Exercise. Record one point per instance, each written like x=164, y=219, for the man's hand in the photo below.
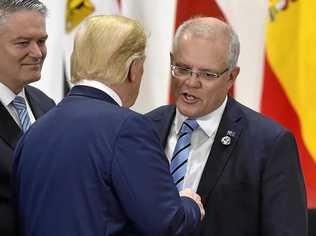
x=195, y=197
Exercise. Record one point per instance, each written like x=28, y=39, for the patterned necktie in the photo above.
x=181, y=152
x=20, y=106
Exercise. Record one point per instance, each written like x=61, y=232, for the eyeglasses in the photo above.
x=182, y=73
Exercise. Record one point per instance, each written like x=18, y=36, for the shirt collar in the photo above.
x=103, y=87
x=7, y=96
x=207, y=123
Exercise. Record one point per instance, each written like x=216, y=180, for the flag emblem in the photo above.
x=76, y=12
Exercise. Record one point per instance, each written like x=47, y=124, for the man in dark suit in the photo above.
x=99, y=168
x=22, y=51
x=244, y=166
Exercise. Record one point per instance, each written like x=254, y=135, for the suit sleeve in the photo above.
x=283, y=190
x=15, y=181
x=144, y=186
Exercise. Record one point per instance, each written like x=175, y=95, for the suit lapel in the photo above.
x=230, y=125
x=34, y=104
x=9, y=130
x=164, y=123
x=220, y=153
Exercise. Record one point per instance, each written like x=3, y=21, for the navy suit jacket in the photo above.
x=91, y=167
x=9, y=135
x=254, y=185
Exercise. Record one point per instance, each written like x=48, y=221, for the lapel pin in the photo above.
x=226, y=140
x=231, y=133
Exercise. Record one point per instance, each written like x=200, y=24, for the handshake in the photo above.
x=195, y=197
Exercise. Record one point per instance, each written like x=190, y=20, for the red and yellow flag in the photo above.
x=289, y=81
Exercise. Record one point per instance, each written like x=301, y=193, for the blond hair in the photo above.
x=105, y=47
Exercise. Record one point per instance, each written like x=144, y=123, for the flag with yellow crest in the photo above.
x=289, y=87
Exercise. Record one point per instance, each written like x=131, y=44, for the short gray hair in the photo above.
x=234, y=49
x=199, y=27
x=10, y=6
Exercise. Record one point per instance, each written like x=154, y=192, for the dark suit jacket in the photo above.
x=254, y=185
x=98, y=169
x=9, y=135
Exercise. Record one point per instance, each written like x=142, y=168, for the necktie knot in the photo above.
x=20, y=105
x=188, y=126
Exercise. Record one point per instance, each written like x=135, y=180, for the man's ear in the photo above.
x=134, y=70
x=232, y=77
x=234, y=73
x=131, y=72
x=171, y=58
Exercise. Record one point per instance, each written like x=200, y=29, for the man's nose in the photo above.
x=193, y=80
x=35, y=50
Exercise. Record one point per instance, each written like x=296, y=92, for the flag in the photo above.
x=289, y=84
x=76, y=12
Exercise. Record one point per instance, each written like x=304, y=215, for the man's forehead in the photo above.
x=207, y=41
x=213, y=35
x=24, y=18
x=15, y=29
x=26, y=12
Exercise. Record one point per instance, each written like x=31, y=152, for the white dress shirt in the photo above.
x=201, y=143
x=6, y=98
x=102, y=87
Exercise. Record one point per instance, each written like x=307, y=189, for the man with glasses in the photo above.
x=244, y=166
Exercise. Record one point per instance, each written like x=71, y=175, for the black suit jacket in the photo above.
x=254, y=185
x=9, y=135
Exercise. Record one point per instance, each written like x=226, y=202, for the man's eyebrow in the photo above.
x=199, y=69
x=182, y=65
x=207, y=70
x=29, y=38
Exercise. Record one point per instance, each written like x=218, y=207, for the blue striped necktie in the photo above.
x=20, y=106
x=178, y=165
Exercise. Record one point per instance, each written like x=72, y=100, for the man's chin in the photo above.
x=187, y=110
x=32, y=79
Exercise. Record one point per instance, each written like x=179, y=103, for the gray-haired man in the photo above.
x=22, y=51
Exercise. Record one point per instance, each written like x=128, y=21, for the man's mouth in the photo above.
x=32, y=64
x=189, y=98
